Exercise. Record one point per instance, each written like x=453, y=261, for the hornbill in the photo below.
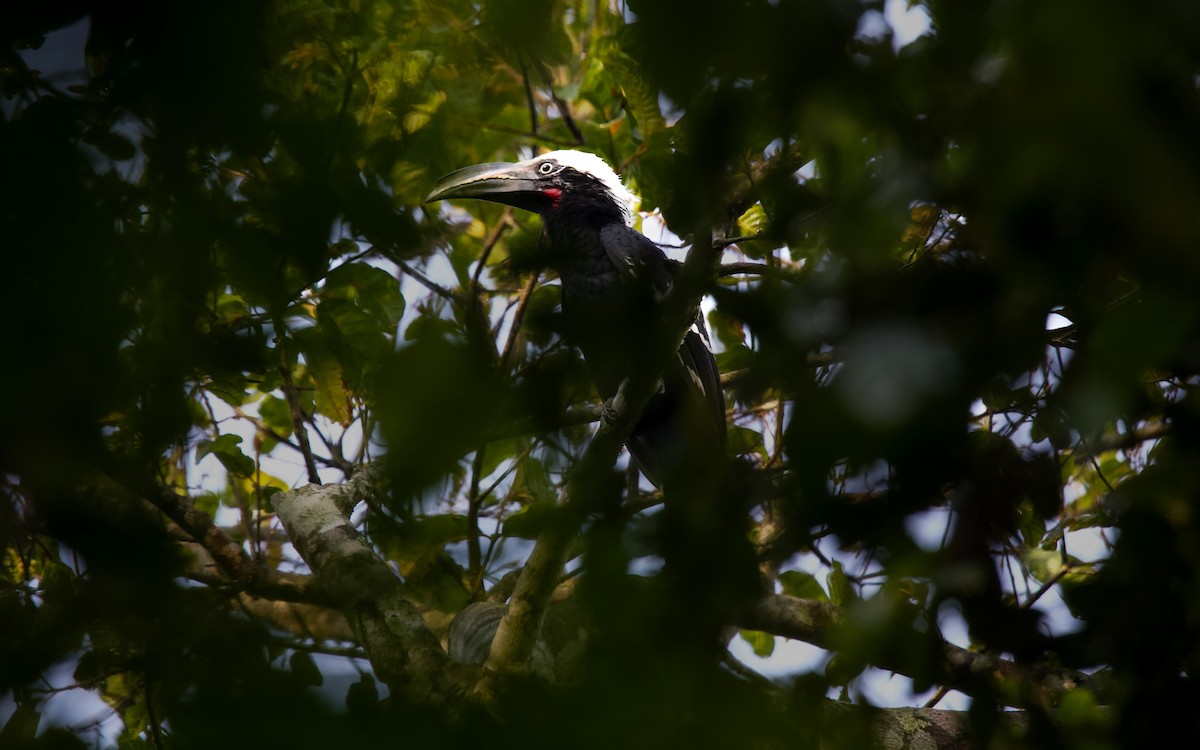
x=613, y=279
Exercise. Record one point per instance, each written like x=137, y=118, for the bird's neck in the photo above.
x=575, y=212
x=574, y=236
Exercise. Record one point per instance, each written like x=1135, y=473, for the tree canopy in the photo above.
x=290, y=458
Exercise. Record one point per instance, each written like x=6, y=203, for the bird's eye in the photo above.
x=546, y=167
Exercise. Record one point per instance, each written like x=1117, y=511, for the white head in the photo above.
x=582, y=161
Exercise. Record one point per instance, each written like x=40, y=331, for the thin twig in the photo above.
x=474, y=500
x=518, y=318
x=489, y=243
x=294, y=410
x=562, y=107
x=425, y=281
x=533, y=120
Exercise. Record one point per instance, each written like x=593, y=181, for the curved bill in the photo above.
x=512, y=184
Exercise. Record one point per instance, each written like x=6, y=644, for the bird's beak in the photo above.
x=512, y=184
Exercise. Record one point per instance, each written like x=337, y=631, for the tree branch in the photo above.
x=230, y=558
x=814, y=621
x=294, y=409
x=405, y=653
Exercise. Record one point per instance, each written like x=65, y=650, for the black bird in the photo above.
x=613, y=279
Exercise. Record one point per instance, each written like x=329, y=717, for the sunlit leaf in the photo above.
x=803, y=585
x=762, y=643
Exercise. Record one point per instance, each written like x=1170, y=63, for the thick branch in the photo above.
x=932, y=728
x=1154, y=430
x=405, y=654
x=302, y=620
x=814, y=622
x=239, y=570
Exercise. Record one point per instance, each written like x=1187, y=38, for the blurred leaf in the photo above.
x=302, y=665
x=641, y=97
x=841, y=669
x=1079, y=708
x=743, y=441
x=332, y=397
x=113, y=145
x=528, y=522
x=413, y=540
x=230, y=388
x=442, y=401
x=362, y=698
x=735, y=357
x=21, y=727
x=728, y=330
x=276, y=414
x=226, y=450
x=841, y=589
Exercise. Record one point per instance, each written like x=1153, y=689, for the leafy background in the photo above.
x=965, y=300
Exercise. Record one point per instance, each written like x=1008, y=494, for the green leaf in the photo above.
x=444, y=398
x=753, y=222
x=728, y=330
x=743, y=440
x=528, y=522
x=229, y=387
x=364, y=304
x=332, y=398
x=413, y=540
x=1030, y=525
x=497, y=452
x=276, y=414
x=802, y=585
x=226, y=450
x=735, y=358
x=841, y=589
x=1079, y=708
x=208, y=502
x=762, y=643
x=640, y=94
x=431, y=326
x=841, y=669
x=531, y=482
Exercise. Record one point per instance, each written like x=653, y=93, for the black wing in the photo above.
x=641, y=261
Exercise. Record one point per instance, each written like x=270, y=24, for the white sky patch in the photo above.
x=789, y=657
x=928, y=528
x=1092, y=544
x=60, y=58
x=952, y=625
x=1057, y=619
x=906, y=22
x=1054, y=320
x=888, y=690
